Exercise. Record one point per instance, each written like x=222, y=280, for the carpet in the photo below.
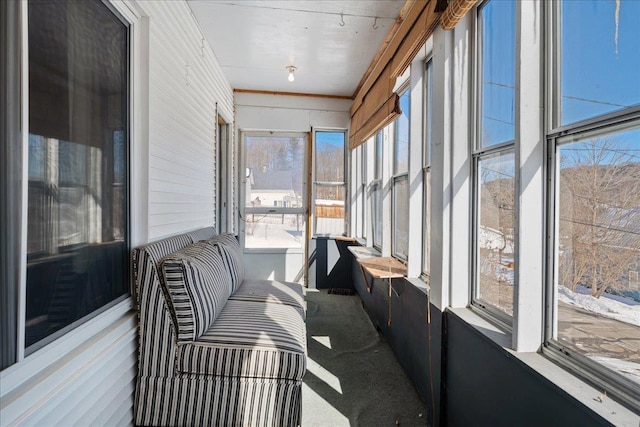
x=353, y=378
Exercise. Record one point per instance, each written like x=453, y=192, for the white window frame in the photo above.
x=453, y=134
x=317, y=184
x=376, y=185
x=38, y=359
x=557, y=135
x=479, y=153
x=270, y=210
x=398, y=177
x=426, y=166
x=614, y=383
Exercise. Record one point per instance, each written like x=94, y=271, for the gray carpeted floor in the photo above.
x=353, y=378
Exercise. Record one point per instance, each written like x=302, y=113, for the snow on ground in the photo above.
x=630, y=370
x=611, y=306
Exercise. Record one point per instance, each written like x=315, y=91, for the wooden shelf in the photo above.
x=383, y=267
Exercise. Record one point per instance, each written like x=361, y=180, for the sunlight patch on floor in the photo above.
x=326, y=376
x=323, y=411
x=324, y=340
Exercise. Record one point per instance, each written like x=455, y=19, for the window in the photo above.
x=78, y=166
x=494, y=160
x=426, y=166
x=274, y=193
x=594, y=217
x=495, y=230
x=329, y=186
x=363, y=188
x=376, y=193
x=400, y=182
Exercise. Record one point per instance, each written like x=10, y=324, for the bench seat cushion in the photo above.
x=249, y=340
x=272, y=291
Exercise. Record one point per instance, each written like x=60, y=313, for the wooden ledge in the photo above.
x=383, y=267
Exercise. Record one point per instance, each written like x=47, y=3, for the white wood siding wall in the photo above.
x=185, y=83
x=87, y=377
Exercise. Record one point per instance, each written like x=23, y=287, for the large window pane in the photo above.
x=274, y=191
x=274, y=230
x=401, y=142
x=275, y=169
x=401, y=217
x=495, y=231
x=363, y=189
x=329, y=186
x=376, y=214
x=598, y=249
x=376, y=192
x=329, y=209
x=497, y=73
x=77, y=250
x=600, y=58
x=377, y=171
x=329, y=160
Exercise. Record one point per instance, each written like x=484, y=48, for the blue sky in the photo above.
x=598, y=76
x=498, y=73
x=401, y=156
x=592, y=68
x=327, y=140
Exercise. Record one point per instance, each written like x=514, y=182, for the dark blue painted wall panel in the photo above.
x=487, y=386
x=475, y=382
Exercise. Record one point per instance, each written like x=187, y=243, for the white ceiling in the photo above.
x=254, y=40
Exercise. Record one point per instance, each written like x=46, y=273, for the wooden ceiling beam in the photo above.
x=306, y=95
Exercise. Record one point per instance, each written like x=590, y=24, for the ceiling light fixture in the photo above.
x=291, y=69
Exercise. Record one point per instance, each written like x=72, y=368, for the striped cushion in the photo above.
x=156, y=325
x=272, y=291
x=250, y=340
x=198, y=287
x=232, y=255
x=202, y=234
x=194, y=400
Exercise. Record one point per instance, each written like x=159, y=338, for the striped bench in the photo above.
x=216, y=349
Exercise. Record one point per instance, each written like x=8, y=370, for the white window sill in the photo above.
x=587, y=395
x=419, y=284
x=364, y=252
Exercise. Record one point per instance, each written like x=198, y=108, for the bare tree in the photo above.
x=330, y=168
x=599, y=212
x=496, y=215
x=497, y=204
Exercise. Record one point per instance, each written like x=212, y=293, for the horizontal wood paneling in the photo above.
x=78, y=380
x=185, y=83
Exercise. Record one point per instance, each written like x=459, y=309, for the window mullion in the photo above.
x=529, y=219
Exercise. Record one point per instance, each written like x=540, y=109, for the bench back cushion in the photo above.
x=198, y=286
x=231, y=253
x=202, y=234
